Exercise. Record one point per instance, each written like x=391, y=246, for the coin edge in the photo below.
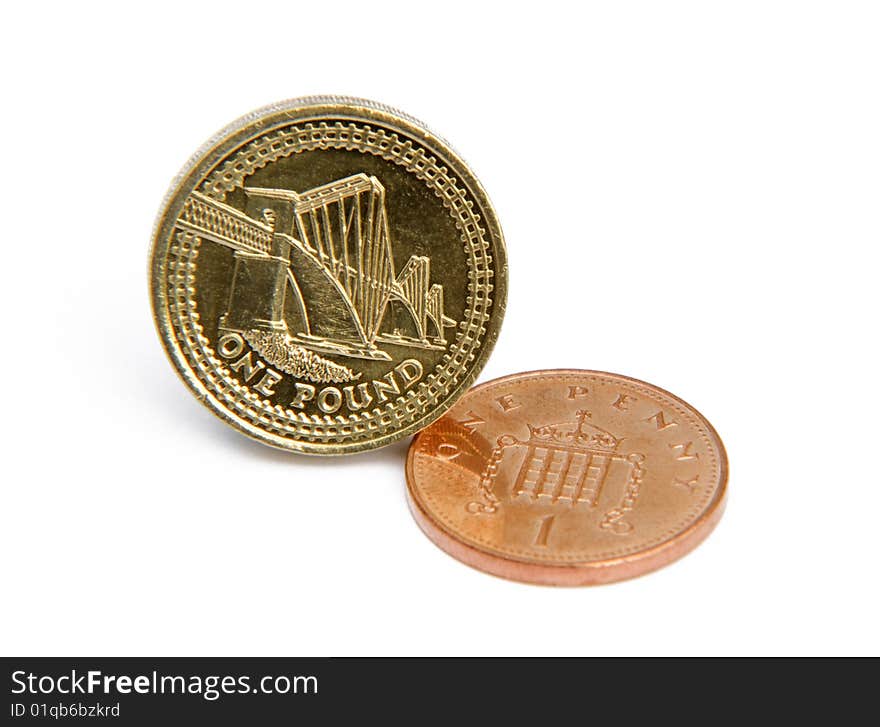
x=582, y=573
x=212, y=152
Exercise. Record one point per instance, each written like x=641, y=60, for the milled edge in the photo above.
x=694, y=534
x=158, y=299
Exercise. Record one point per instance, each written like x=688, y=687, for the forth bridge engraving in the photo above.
x=314, y=272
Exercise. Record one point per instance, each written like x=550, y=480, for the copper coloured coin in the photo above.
x=567, y=478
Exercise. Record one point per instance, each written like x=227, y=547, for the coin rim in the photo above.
x=213, y=151
x=580, y=573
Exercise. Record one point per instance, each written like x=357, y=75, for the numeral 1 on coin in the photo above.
x=544, y=531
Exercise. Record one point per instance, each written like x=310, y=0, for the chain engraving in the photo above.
x=614, y=519
x=565, y=467
x=516, y=494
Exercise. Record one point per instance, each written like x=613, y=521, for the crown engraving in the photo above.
x=568, y=465
x=583, y=436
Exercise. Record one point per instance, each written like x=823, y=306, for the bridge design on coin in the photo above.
x=318, y=267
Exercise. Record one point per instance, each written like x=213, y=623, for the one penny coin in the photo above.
x=567, y=477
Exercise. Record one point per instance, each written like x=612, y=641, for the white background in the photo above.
x=689, y=193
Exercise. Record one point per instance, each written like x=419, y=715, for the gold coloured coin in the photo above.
x=328, y=275
x=567, y=478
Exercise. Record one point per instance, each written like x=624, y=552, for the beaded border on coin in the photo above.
x=614, y=568
x=292, y=127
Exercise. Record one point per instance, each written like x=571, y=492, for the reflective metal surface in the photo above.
x=328, y=275
x=567, y=477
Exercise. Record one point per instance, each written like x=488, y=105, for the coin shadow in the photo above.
x=391, y=454
x=152, y=385
x=185, y=413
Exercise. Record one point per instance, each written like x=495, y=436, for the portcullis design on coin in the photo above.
x=567, y=478
x=327, y=275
